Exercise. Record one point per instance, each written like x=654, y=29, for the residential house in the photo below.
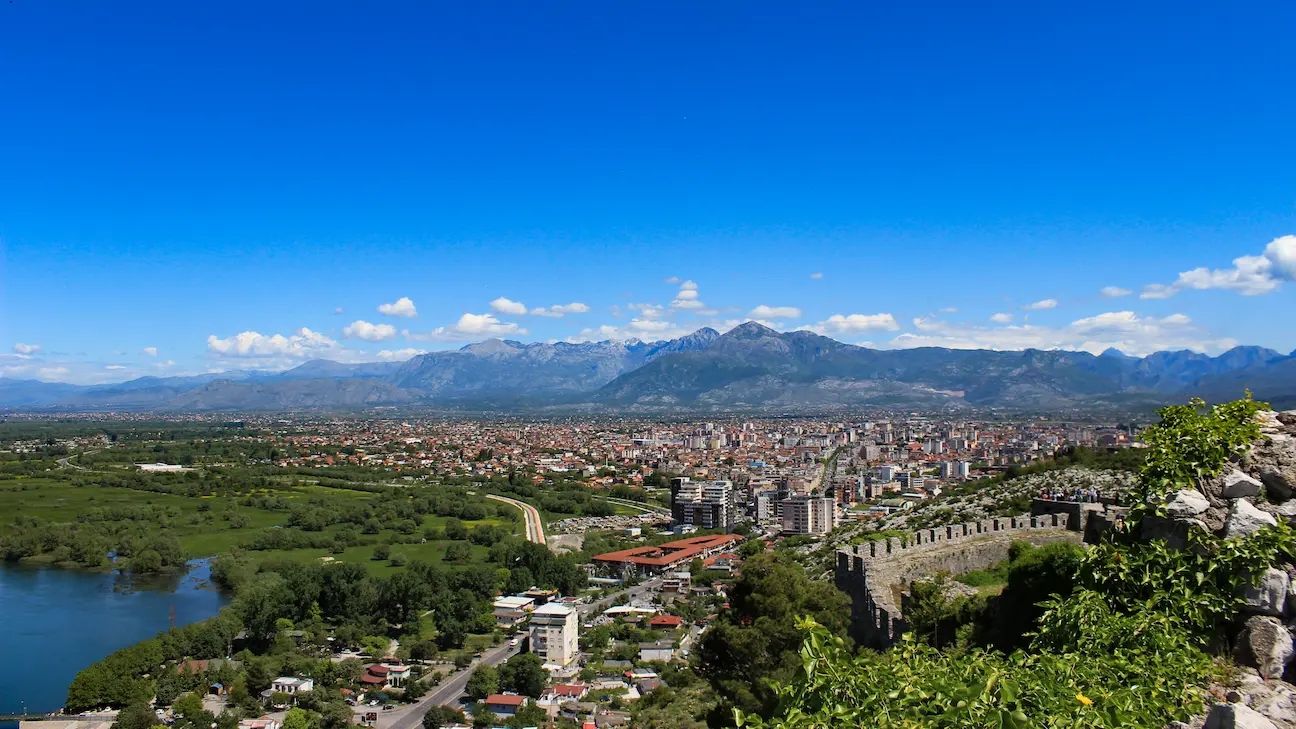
x=662, y=650
x=291, y=685
x=505, y=705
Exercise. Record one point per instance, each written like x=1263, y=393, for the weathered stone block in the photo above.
x=1266, y=644
x=1239, y=485
x=1187, y=503
x=1244, y=519
x=1236, y=716
x=1269, y=596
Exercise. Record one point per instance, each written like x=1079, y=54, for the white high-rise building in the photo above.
x=554, y=633
x=809, y=515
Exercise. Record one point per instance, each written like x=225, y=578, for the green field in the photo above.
x=201, y=526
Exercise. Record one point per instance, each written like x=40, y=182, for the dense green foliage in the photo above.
x=757, y=639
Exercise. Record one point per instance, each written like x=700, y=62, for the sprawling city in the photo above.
x=584, y=365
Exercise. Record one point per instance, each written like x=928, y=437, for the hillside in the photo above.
x=750, y=367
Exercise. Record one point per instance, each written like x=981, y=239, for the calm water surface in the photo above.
x=55, y=622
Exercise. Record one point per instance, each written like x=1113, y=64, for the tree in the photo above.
x=441, y=716
x=415, y=690
x=483, y=682
x=136, y=716
x=455, y=529
x=524, y=674
x=382, y=551
x=483, y=717
x=296, y=719
x=758, y=639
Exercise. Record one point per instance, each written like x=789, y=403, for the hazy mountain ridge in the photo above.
x=748, y=367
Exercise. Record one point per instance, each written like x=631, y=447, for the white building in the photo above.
x=809, y=515
x=554, y=633
x=291, y=685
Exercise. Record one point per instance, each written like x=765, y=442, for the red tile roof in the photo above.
x=670, y=553
x=505, y=700
x=665, y=621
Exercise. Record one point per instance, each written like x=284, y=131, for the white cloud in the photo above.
x=469, y=327
x=21, y=348
x=1044, y=304
x=854, y=324
x=597, y=334
x=948, y=309
x=361, y=329
x=648, y=311
x=115, y=367
x=1249, y=276
x=402, y=307
x=304, y=343
x=1002, y=318
x=816, y=275
x=671, y=280
x=400, y=355
x=508, y=306
x=649, y=325
x=560, y=310
x=775, y=312
x=150, y=351
x=1114, y=292
x=165, y=365
x=686, y=299
x=338, y=310
x=52, y=373
x=1123, y=330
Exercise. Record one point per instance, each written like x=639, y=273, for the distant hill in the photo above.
x=750, y=367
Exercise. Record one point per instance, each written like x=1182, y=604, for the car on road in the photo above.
x=513, y=642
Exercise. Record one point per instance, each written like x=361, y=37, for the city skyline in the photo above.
x=182, y=201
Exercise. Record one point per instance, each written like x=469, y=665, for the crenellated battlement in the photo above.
x=866, y=572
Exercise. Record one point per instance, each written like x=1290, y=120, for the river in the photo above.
x=55, y=622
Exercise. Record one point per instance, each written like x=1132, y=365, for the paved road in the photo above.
x=534, y=526
x=447, y=693
x=64, y=462
x=625, y=596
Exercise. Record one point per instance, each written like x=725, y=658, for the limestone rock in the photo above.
x=1274, y=460
x=1236, y=716
x=1187, y=503
x=1214, y=518
x=1288, y=418
x=1239, y=485
x=1270, y=422
x=1269, y=596
x=1278, y=704
x=1286, y=510
x=1265, y=644
x=1244, y=519
x=1174, y=532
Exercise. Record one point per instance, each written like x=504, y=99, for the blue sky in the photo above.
x=195, y=186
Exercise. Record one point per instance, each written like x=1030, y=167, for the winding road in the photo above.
x=534, y=526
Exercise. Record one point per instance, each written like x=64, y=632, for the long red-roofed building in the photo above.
x=668, y=556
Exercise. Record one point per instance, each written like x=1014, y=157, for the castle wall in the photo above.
x=870, y=573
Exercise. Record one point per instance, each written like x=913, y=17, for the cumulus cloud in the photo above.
x=560, y=310
x=648, y=311
x=686, y=299
x=1001, y=318
x=402, y=307
x=597, y=334
x=816, y=275
x=22, y=348
x=1114, y=292
x=1249, y=276
x=361, y=329
x=399, y=355
x=1043, y=304
x=1123, y=330
x=469, y=327
x=303, y=343
x=775, y=312
x=503, y=305
x=671, y=279
x=854, y=324
x=150, y=351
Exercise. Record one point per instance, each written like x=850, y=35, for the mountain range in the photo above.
x=750, y=367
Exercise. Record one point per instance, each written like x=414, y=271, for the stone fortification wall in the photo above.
x=873, y=573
